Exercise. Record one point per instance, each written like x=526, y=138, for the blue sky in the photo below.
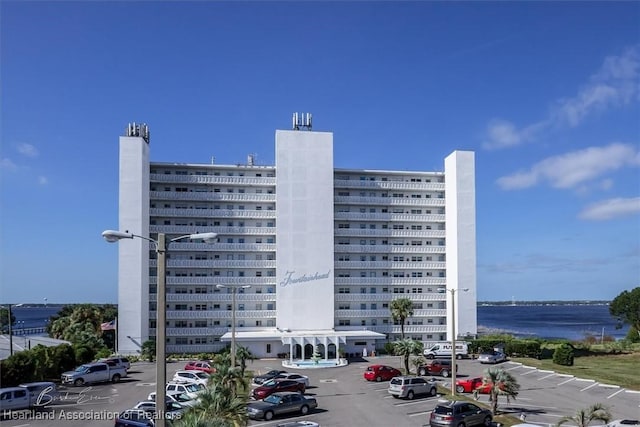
x=546, y=93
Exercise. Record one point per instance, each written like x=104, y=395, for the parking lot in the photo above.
x=346, y=399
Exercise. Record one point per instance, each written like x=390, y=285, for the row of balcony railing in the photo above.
x=271, y=182
x=271, y=297
x=271, y=264
x=338, y=281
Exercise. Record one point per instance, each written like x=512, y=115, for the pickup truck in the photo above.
x=94, y=373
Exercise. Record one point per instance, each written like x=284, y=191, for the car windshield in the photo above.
x=396, y=381
x=202, y=375
x=272, y=399
x=270, y=383
x=81, y=368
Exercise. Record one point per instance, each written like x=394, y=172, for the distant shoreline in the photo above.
x=480, y=303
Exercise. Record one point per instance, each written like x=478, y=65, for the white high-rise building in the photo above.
x=316, y=254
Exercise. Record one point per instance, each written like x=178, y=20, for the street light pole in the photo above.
x=11, y=328
x=234, y=289
x=112, y=236
x=452, y=291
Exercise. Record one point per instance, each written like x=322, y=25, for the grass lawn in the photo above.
x=615, y=369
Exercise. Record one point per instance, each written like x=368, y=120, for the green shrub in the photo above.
x=563, y=355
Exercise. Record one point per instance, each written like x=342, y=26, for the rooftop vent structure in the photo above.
x=301, y=120
x=140, y=130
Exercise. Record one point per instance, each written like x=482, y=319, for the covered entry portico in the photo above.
x=299, y=344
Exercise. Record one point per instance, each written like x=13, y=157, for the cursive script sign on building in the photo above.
x=290, y=279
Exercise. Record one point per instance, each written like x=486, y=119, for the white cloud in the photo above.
x=574, y=168
x=7, y=164
x=611, y=208
x=616, y=83
x=42, y=180
x=27, y=150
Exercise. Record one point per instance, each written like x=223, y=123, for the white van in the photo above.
x=14, y=398
x=444, y=349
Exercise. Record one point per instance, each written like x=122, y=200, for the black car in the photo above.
x=261, y=379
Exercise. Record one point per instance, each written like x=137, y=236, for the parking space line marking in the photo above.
x=546, y=376
x=611, y=395
x=569, y=380
x=531, y=372
x=608, y=385
x=418, y=414
x=588, y=387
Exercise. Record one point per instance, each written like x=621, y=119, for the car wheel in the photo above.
x=487, y=421
x=459, y=389
x=444, y=373
x=116, y=378
x=395, y=396
x=304, y=410
x=410, y=395
x=433, y=391
x=423, y=372
x=78, y=382
x=378, y=379
x=459, y=356
x=268, y=415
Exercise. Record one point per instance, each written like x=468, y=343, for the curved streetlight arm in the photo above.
x=206, y=237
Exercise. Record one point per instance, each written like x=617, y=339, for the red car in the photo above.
x=274, y=386
x=199, y=366
x=381, y=373
x=473, y=384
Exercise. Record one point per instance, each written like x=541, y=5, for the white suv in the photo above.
x=401, y=387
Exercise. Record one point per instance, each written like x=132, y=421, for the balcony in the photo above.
x=386, y=313
x=391, y=217
x=205, y=196
x=387, y=201
x=195, y=349
x=389, y=233
x=402, y=265
x=193, y=332
x=216, y=280
x=391, y=249
x=216, y=314
x=210, y=263
x=215, y=297
x=213, y=179
x=213, y=213
x=388, y=185
x=223, y=231
x=409, y=329
x=220, y=247
x=391, y=281
x=387, y=297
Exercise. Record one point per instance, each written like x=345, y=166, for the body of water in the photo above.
x=522, y=320
x=569, y=321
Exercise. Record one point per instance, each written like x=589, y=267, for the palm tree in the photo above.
x=401, y=308
x=407, y=348
x=218, y=406
x=227, y=377
x=501, y=383
x=242, y=355
x=583, y=417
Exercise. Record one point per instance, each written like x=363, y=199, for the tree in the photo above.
x=221, y=407
x=242, y=355
x=407, y=348
x=627, y=307
x=4, y=320
x=227, y=377
x=583, y=417
x=501, y=383
x=401, y=309
x=148, y=350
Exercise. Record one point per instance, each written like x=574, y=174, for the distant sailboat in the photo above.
x=513, y=301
